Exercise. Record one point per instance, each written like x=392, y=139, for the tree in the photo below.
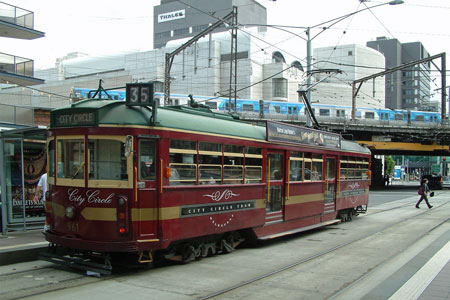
x=389, y=165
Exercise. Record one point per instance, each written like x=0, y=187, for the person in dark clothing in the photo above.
x=423, y=192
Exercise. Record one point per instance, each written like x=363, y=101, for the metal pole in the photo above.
x=444, y=84
x=3, y=185
x=308, y=73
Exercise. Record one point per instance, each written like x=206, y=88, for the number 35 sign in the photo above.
x=139, y=94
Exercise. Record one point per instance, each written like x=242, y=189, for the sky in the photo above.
x=104, y=27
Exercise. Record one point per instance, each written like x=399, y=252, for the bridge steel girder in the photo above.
x=401, y=148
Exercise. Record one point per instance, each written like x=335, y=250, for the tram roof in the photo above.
x=94, y=112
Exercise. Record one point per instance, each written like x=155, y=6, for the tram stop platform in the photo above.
x=21, y=246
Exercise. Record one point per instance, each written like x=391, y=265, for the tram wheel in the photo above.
x=188, y=253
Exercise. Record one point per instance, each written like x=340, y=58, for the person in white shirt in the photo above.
x=42, y=186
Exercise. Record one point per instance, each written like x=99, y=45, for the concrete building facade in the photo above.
x=174, y=20
x=353, y=62
x=405, y=89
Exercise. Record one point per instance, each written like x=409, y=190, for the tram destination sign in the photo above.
x=139, y=94
x=73, y=118
x=280, y=132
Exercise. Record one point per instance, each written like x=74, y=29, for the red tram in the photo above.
x=186, y=182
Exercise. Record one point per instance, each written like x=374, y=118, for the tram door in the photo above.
x=275, y=186
x=147, y=189
x=330, y=184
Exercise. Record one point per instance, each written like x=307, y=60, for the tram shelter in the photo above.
x=23, y=161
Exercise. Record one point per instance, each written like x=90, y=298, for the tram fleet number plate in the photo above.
x=139, y=94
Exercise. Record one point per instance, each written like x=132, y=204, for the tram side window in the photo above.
x=233, y=164
x=107, y=160
x=147, y=170
x=296, y=166
x=253, y=165
x=365, y=168
x=354, y=168
x=307, y=163
x=51, y=158
x=70, y=160
x=317, y=167
x=344, y=168
x=210, y=163
x=183, y=162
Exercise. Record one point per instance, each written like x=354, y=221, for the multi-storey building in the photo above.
x=16, y=23
x=175, y=20
x=350, y=62
x=408, y=88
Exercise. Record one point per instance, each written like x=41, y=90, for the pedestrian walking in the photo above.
x=423, y=192
x=42, y=186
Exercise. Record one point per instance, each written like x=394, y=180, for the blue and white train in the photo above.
x=276, y=108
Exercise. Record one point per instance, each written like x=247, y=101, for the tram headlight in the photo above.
x=122, y=201
x=70, y=212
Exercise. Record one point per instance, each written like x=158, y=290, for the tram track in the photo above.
x=70, y=278
x=328, y=251
x=40, y=280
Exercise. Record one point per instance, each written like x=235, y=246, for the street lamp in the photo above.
x=309, y=40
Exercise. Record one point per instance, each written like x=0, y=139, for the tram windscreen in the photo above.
x=70, y=159
x=107, y=160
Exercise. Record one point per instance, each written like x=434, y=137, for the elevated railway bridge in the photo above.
x=383, y=137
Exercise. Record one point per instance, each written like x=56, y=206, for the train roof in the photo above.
x=96, y=112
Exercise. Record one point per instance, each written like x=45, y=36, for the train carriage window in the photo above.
x=247, y=107
x=107, y=160
x=324, y=112
x=210, y=163
x=211, y=104
x=398, y=117
x=183, y=162
x=370, y=115
x=340, y=113
x=317, y=167
x=277, y=108
x=419, y=118
x=147, y=167
x=70, y=159
x=233, y=164
x=296, y=166
x=253, y=165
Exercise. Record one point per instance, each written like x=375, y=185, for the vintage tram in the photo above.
x=184, y=182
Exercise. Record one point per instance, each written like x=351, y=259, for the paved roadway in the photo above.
x=393, y=252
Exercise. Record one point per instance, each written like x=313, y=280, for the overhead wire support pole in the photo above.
x=233, y=60
x=170, y=56
x=398, y=68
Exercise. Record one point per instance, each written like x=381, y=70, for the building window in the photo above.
x=279, y=87
x=350, y=53
x=182, y=31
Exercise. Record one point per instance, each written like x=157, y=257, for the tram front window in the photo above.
x=70, y=160
x=107, y=160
